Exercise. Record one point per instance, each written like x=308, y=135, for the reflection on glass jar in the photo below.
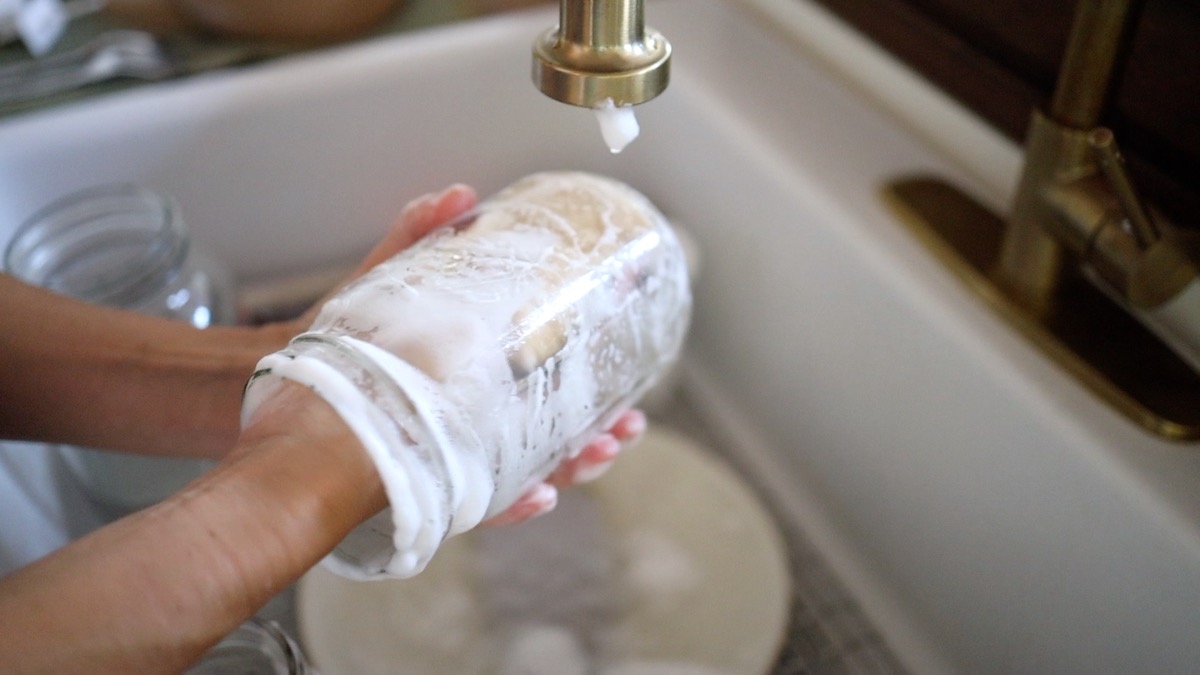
x=472, y=363
x=254, y=648
x=122, y=246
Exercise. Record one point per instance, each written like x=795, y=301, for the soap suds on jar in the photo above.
x=618, y=124
x=470, y=365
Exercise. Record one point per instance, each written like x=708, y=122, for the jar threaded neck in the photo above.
x=114, y=245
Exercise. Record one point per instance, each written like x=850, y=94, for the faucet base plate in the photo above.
x=1086, y=333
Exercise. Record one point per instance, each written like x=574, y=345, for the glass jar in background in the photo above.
x=123, y=246
x=254, y=648
x=472, y=363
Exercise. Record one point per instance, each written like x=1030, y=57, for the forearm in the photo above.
x=152, y=591
x=294, y=21
x=94, y=376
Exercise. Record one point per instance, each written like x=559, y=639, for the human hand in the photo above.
x=591, y=463
x=295, y=22
x=419, y=218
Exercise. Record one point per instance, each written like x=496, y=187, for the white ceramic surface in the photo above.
x=697, y=579
x=988, y=513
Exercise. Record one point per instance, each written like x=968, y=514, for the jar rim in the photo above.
x=403, y=425
x=251, y=646
x=110, y=244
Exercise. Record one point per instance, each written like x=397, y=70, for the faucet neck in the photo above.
x=601, y=23
x=601, y=52
x=1098, y=41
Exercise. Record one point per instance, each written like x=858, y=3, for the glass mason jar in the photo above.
x=254, y=648
x=473, y=363
x=122, y=246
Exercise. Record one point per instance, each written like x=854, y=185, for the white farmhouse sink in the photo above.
x=987, y=513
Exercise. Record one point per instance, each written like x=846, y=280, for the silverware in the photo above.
x=123, y=53
x=118, y=53
x=73, y=9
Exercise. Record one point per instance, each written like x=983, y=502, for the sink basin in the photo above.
x=982, y=508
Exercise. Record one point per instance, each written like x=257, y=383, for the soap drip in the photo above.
x=618, y=124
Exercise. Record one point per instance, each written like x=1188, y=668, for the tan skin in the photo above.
x=294, y=21
x=298, y=22
x=150, y=592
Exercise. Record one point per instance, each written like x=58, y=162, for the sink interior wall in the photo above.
x=275, y=172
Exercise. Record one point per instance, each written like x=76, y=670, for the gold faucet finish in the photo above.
x=601, y=50
x=1074, y=191
x=1075, y=219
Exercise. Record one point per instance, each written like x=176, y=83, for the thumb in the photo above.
x=419, y=218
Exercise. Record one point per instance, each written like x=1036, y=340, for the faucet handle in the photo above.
x=1112, y=165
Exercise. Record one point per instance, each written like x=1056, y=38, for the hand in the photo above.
x=422, y=216
x=292, y=22
x=591, y=463
x=418, y=218
x=205, y=559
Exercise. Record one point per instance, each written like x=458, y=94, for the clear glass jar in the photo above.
x=122, y=246
x=473, y=363
x=254, y=648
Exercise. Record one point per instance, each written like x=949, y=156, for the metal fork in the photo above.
x=118, y=53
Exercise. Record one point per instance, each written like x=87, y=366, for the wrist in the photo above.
x=310, y=21
x=305, y=436
x=203, y=560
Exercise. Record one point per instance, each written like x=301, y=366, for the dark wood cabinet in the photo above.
x=1001, y=57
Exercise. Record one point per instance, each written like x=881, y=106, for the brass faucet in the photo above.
x=601, y=50
x=1081, y=265
x=1075, y=193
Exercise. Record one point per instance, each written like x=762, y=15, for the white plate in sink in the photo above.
x=667, y=564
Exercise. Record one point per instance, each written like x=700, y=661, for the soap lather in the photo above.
x=474, y=362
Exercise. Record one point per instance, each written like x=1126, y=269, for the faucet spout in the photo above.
x=601, y=51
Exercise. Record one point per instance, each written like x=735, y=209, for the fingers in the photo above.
x=540, y=500
x=598, y=455
x=591, y=462
x=418, y=219
x=630, y=426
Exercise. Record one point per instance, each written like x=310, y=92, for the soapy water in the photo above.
x=618, y=125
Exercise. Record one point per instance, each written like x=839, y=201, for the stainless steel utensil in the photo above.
x=118, y=53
